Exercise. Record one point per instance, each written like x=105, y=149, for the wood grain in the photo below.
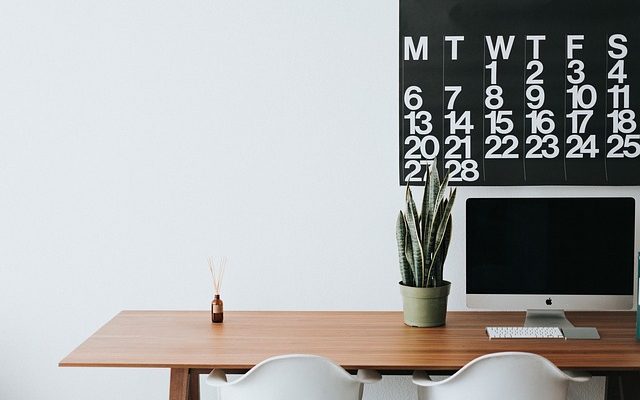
x=179, y=384
x=377, y=340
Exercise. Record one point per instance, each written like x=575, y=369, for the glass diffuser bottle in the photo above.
x=216, y=267
x=217, y=314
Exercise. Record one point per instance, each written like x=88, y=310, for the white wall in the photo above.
x=139, y=137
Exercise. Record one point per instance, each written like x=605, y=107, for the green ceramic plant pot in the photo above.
x=425, y=307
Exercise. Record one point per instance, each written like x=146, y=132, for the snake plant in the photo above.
x=423, y=238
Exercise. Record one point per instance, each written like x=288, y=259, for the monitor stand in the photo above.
x=557, y=318
x=547, y=318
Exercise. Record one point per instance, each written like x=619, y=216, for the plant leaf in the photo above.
x=440, y=204
x=435, y=261
x=441, y=256
x=412, y=220
x=401, y=236
x=411, y=206
x=408, y=252
x=424, y=220
x=440, y=233
x=430, y=207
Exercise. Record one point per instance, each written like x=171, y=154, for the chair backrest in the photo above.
x=509, y=375
x=293, y=377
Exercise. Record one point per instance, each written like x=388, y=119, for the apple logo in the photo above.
x=549, y=301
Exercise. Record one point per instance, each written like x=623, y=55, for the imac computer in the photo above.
x=546, y=255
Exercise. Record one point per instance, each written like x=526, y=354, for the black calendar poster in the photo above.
x=532, y=92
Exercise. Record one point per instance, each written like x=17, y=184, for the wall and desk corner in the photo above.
x=139, y=137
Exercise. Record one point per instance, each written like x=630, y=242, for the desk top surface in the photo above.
x=369, y=339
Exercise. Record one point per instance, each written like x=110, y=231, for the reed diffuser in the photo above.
x=216, y=267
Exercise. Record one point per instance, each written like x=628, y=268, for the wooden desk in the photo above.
x=189, y=344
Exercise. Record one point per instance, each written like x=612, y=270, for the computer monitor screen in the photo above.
x=550, y=253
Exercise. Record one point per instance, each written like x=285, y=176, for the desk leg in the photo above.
x=623, y=386
x=179, y=384
x=194, y=385
x=184, y=384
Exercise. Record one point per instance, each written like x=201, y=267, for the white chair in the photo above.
x=293, y=377
x=509, y=375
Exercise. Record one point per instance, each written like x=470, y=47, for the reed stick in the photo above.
x=216, y=267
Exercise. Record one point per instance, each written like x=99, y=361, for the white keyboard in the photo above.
x=524, y=332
